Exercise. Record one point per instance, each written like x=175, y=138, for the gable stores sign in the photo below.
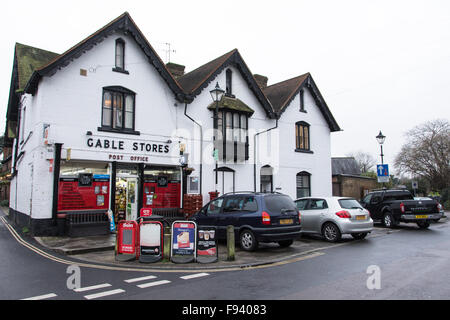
x=125, y=150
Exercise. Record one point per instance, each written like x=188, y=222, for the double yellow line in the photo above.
x=306, y=255
x=56, y=259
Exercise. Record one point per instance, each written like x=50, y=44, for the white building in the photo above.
x=103, y=126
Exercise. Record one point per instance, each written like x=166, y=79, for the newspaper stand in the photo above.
x=151, y=239
x=207, y=244
x=127, y=241
x=184, y=241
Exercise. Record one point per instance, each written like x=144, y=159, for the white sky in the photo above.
x=380, y=65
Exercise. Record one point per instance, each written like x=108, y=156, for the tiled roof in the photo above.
x=192, y=80
x=230, y=103
x=28, y=60
x=280, y=94
x=346, y=165
x=195, y=81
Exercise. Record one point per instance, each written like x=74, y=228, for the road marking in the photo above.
x=193, y=276
x=152, y=284
x=99, y=286
x=301, y=256
x=139, y=279
x=104, y=294
x=45, y=296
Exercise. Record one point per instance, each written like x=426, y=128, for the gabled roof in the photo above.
x=28, y=60
x=195, y=81
x=123, y=23
x=281, y=95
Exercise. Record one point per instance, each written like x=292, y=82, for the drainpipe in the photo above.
x=201, y=145
x=254, y=149
x=56, y=168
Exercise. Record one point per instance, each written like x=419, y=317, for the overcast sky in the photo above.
x=380, y=65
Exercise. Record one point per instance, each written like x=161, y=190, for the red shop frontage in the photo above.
x=88, y=189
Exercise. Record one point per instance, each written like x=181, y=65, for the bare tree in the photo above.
x=365, y=160
x=427, y=153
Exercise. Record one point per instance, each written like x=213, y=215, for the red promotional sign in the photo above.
x=146, y=212
x=127, y=235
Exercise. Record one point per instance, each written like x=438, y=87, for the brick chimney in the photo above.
x=261, y=80
x=176, y=70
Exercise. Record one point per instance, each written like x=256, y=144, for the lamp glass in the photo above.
x=380, y=138
x=217, y=93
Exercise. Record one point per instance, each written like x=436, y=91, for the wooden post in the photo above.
x=167, y=238
x=230, y=243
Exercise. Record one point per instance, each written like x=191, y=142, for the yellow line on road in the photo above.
x=295, y=258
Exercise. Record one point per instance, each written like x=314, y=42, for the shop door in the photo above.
x=131, y=198
x=126, y=197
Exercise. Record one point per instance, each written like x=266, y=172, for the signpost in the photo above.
x=415, y=186
x=207, y=249
x=127, y=236
x=383, y=173
x=184, y=238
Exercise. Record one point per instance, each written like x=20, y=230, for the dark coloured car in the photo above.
x=256, y=217
x=394, y=206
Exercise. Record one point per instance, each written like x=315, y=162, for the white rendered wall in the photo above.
x=318, y=164
x=72, y=104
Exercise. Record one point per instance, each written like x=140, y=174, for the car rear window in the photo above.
x=349, y=204
x=278, y=202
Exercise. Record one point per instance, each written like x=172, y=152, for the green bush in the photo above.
x=4, y=203
x=445, y=195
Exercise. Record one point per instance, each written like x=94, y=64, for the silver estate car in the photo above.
x=334, y=216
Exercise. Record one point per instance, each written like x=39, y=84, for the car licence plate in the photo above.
x=286, y=221
x=422, y=217
x=360, y=217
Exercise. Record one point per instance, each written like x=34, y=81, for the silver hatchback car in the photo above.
x=334, y=216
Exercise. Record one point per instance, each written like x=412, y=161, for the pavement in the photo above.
x=100, y=250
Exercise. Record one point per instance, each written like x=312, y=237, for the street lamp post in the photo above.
x=216, y=94
x=380, y=138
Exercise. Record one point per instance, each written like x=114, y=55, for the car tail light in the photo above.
x=265, y=218
x=343, y=214
x=402, y=207
x=299, y=217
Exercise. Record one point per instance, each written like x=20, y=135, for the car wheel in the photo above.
x=331, y=232
x=285, y=243
x=423, y=224
x=248, y=240
x=359, y=236
x=388, y=220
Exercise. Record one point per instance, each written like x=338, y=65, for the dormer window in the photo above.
x=120, y=56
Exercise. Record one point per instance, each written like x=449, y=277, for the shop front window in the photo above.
x=162, y=187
